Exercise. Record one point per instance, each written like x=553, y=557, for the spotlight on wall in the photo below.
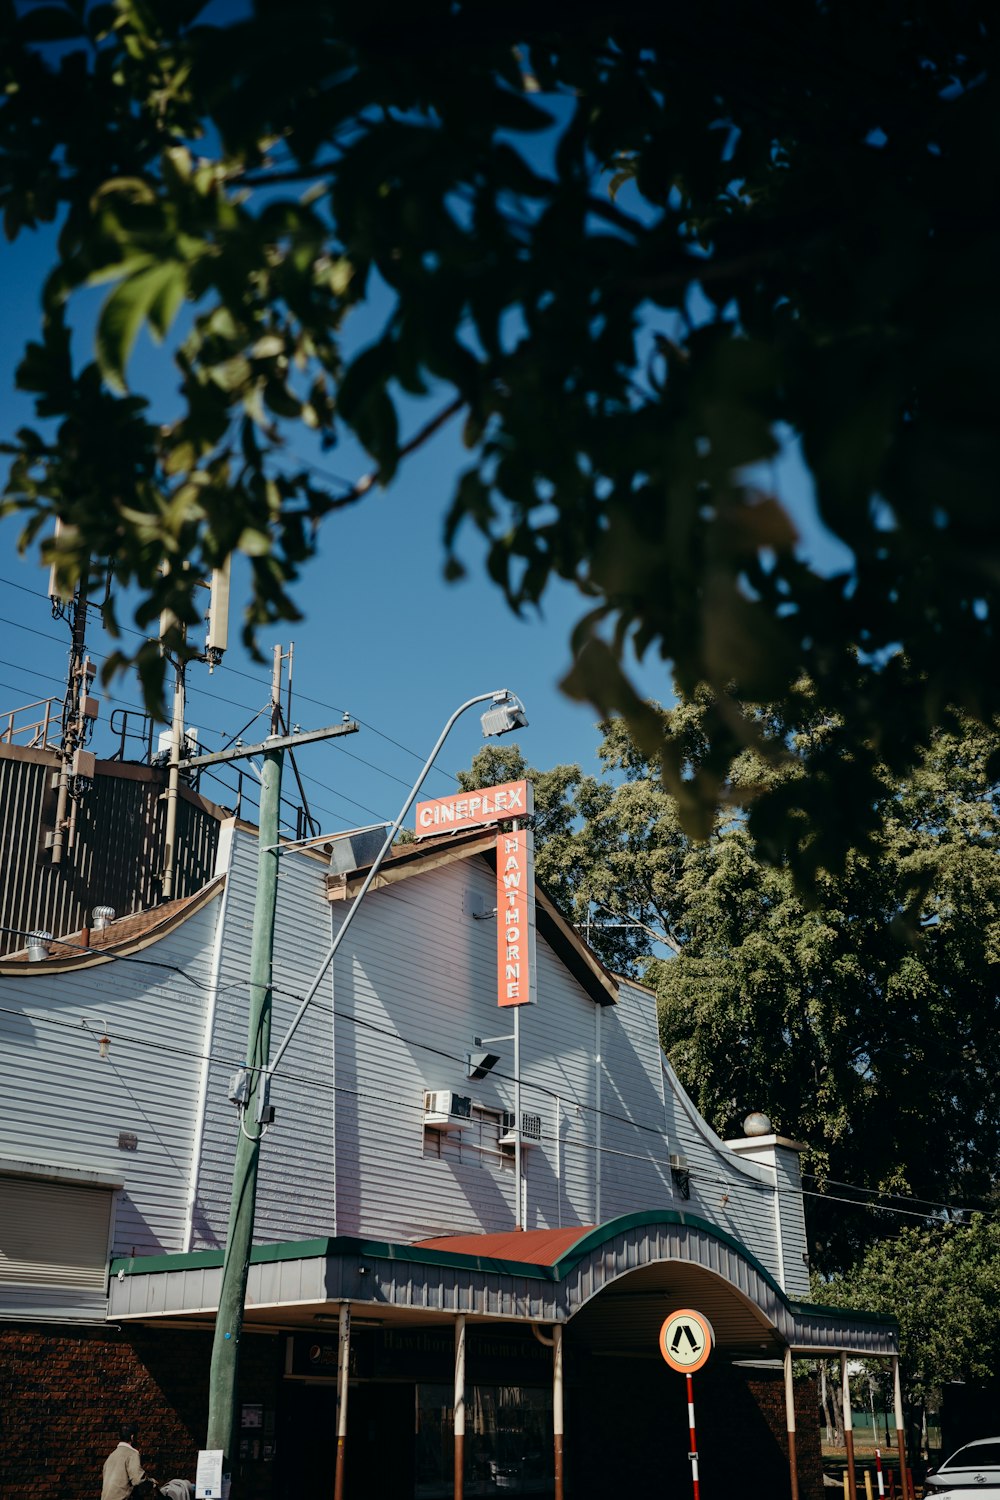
x=480, y=1063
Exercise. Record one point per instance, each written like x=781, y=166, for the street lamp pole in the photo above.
x=251, y=1090
x=517, y=720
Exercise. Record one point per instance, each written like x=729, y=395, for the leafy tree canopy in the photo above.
x=805, y=235
x=865, y=1022
x=942, y=1284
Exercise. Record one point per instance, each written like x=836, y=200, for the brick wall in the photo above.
x=768, y=1391
x=63, y=1395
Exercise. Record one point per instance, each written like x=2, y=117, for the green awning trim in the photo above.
x=589, y=1242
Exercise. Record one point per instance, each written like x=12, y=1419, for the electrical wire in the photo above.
x=533, y=1088
x=897, y=1197
x=260, y=682
x=38, y=674
x=908, y=1213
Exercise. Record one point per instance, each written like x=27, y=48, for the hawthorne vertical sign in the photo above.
x=512, y=801
x=515, y=918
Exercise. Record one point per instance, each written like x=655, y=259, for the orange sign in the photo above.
x=686, y=1340
x=492, y=804
x=515, y=918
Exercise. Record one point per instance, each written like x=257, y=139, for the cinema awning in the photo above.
x=610, y=1284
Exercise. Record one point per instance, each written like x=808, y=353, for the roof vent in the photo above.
x=101, y=917
x=38, y=946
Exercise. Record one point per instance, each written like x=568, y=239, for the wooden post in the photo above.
x=793, y=1467
x=460, y=1407
x=223, y=1377
x=905, y=1489
x=557, y=1407
x=845, y=1385
x=343, y=1371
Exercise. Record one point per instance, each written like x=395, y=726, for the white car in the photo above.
x=973, y=1468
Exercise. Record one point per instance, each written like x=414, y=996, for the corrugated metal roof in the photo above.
x=117, y=853
x=531, y=1247
x=124, y=936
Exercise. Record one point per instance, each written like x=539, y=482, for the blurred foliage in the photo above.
x=632, y=245
x=865, y=1021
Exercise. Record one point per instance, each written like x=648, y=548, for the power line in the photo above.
x=259, y=681
x=194, y=689
x=909, y=1213
x=534, y=1087
x=896, y=1197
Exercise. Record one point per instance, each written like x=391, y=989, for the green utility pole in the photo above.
x=222, y=1390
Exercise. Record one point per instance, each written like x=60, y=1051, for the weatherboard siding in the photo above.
x=295, y=1192
x=415, y=983
x=635, y=1154
x=348, y=1154
x=794, y=1245
x=72, y=1104
x=736, y=1195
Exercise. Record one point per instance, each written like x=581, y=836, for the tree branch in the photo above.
x=368, y=481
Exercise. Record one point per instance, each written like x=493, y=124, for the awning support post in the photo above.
x=845, y=1385
x=897, y=1396
x=793, y=1468
x=343, y=1371
x=460, y=1407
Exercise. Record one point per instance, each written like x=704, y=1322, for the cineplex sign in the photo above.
x=515, y=874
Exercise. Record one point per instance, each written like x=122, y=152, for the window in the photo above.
x=54, y=1233
x=975, y=1456
x=508, y=1441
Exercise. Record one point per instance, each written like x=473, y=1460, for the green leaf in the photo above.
x=125, y=311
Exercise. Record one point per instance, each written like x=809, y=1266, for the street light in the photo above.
x=505, y=714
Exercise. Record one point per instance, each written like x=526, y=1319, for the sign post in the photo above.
x=686, y=1341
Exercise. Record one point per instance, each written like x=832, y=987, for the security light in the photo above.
x=506, y=714
x=481, y=1063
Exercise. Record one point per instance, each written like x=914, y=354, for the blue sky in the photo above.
x=384, y=638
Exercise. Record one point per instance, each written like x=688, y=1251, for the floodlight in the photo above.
x=506, y=714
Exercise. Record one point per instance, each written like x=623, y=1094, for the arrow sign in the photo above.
x=686, y=1340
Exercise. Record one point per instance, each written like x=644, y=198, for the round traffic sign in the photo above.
x=686, y=1340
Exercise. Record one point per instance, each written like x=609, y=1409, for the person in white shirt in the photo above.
x=123, y=1471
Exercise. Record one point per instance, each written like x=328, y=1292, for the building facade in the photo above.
x=402, y=1271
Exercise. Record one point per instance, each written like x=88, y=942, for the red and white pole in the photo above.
x=878, y=1472
x=693, y=1454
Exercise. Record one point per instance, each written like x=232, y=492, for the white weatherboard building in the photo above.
x=387, y=1191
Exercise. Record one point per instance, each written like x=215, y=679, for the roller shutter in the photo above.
x=54, y=1233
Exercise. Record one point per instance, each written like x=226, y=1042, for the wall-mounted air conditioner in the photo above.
x=531, y=1130
x=444, y=1110
x=680, y=1171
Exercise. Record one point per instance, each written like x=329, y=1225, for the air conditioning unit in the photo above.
x=681, y=1173
x=444, y=1110
x=531, y=1130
